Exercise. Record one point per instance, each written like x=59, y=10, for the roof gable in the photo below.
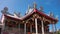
x=42, y=14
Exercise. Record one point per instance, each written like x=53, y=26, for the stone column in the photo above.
x=36, y=25
x=42, y=27
x=24, y=28
x=3, y=22
x=53, y=27
x=19, y=27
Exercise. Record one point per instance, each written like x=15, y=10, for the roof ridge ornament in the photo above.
x=41, y=8
x=35, y=5
x=4, y=10
x=17, y=14
x=51, y=14
x=28, y=9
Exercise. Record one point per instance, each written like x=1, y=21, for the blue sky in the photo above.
x=22, y=5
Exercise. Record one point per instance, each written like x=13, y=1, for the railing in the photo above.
x=41, y=33
x=17, y=31
x=13, y=31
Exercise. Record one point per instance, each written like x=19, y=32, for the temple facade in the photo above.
x=34, y=22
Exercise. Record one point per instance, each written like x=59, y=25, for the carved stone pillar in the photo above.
x=24, y=28
x=36, y=25
x=53, y=27
x=31, y=28
x=19, y=27
x=3, y=22
x=42, y=27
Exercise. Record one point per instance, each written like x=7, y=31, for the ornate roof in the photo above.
x=27, y=15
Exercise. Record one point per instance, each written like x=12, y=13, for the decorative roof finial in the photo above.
x=4, y=10
x=41, y=8
x=28, y=7
x=15, y=14
x=51, y=14
x=19, y=14
x=35, y=5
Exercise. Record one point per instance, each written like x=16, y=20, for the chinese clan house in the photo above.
x=33, y=22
